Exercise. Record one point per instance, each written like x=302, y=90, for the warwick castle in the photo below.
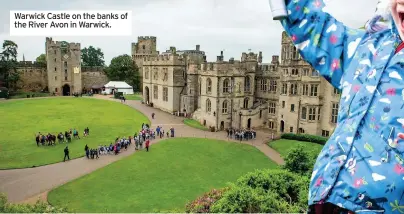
x=284, y=96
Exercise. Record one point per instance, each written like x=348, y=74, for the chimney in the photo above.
x=198, y=47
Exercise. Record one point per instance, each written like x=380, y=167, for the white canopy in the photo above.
x=118, y=85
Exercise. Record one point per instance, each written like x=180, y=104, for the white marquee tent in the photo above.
x=118, y=86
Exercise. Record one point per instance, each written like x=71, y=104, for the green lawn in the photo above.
x=174, y=172
x=21, y=120
x=195, y=124
x=283, y=146
x=134, y=97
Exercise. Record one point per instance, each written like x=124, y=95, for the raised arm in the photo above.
x=325, y=43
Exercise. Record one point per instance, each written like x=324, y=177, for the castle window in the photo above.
x=224, y=107
x=312, y=114
x=155, y=92
x=271, y=125
x=245, y=103
x=208, y=85
x=283, y=104
x=285, y=71
x=272, y=86
x=305, y=89
x=305, y=72
x=293, y=89
x=336, y=91
x=272, y=108
x=295, y=72
x=247, y=83
x=56, y=89
x=208, y=105
x=65, y=64
x=55, y=59
x=284, y=88
x=325, y=133
x=291, y=129
x=313, y=90
x=144, y=47
x=155, y=74
x=303, y=115
x=226, y=86
x=263, y=85
x=66, y=78
x=318, y=113
x=56, y=78
x=314, y=73
x=292, y=107
x=165, y=94
x=334, y=112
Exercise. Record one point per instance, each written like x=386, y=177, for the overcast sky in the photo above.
x=234, y=26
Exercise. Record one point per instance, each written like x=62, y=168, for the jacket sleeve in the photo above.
x=325, y=43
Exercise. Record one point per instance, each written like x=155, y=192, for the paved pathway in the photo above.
x=27, y=185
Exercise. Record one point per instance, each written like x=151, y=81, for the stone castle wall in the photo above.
x=33, y=76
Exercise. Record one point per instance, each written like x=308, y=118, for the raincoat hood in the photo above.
x=382, y=19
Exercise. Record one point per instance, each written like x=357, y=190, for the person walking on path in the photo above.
x=152, y=115
x=147, y=145
x=87, y=151
x=66, y=154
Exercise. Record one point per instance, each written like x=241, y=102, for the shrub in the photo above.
x=305, y=137
x=38, y=207
x=265, y=191
x=299, y=160
x=203, y=203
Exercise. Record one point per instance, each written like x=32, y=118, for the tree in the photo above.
x=92, y=56
x=8, y=63
x=122, y=68
x=300, y=160
x=41, y=59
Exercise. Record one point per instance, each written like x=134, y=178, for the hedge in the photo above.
x=306, y=138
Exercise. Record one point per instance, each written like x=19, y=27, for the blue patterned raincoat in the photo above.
x=361, y=168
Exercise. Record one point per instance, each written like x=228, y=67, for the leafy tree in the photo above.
x=300, y=160
x=92, y=56
x=265, y=191
x=8, y=63
x=41, y=59
x=122, y=68
x=38, y=207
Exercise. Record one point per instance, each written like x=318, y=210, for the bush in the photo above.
x=299, y=160
x=306, y=138
x=203, y=203
x=265, y=191
x=38, y=207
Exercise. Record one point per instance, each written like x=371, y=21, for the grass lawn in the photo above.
x=21, y=120
x=174, y=172
x=283, y=146
x=195, y=124
x=134, y=97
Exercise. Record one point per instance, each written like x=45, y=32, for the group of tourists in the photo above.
x=241, y=134
x=66, y=137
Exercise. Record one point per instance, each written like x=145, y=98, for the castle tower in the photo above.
x=63, y=67
x=144, y=47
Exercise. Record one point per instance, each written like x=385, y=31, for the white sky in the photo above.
x=234, y=26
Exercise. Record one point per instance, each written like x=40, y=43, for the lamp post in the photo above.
x=239, y=125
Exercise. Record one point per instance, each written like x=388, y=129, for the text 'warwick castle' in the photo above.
x=286, y=95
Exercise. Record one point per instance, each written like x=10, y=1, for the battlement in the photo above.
x=249, y=57
x=163, y=57
x=51, y=43
x=146, y=38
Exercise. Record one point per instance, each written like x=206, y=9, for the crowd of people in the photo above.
x=141, y=140
x=66, y=137
x=241, y=134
